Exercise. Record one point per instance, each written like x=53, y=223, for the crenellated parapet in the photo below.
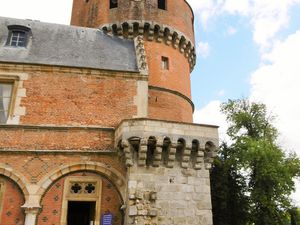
x=153, y=143
x=153, y=31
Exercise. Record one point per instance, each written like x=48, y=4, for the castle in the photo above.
x=96, y=118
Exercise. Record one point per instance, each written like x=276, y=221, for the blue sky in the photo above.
x=249, y=49
x=246, y=48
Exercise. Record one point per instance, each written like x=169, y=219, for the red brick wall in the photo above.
x=52, y=201
x=54, y=139
x=95, y=13
x=78, y=99
x=168, y=106
x=13, y=199
x=36, y=166
x=177, y=77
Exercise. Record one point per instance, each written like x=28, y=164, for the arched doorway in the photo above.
x=82, y=198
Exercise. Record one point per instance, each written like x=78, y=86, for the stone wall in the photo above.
x=168, y=171
x=169, y=196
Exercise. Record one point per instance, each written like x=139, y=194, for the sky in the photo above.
x=245, y=49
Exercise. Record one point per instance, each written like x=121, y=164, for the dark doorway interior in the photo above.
x=81, y=213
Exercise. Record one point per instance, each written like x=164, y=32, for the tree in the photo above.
x=294, y=215
x=230, y=205
x=265, y=168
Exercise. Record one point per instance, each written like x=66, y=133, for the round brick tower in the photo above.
x=167, y=28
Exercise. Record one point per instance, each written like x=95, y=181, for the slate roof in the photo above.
x=62, y=45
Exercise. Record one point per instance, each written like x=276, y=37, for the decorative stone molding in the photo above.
x=19, y=179
x=141, y=55
x=153, y=143
x=82, y=189
x=165, y=154
x=153, y=31
x=101, y=168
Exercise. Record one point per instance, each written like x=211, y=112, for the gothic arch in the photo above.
x=100, y=168
x=19, y=179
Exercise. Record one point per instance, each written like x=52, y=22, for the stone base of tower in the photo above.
x=168, y=171
x=168, y=196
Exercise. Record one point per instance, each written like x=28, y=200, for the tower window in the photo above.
x=162, y=4
x=17, y=36
x=164, y=63
x=113, y=4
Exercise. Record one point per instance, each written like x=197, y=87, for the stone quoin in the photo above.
x=96, y=118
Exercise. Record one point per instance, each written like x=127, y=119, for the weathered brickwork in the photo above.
x=169, y=106
x=55, y=138
x=177, y=77
x=11, y=212
x=36, y=166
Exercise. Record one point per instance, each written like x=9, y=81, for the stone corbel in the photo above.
x=171, y=155
x=127, y=153
x=160, y=36
x=130, y=31
x=186, y=156
x=158, y=152
x=199, y=157
x=142, y=152
x=151, y=33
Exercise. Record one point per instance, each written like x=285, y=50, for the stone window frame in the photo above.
x=14, y=81
x=2, y=189
x=13, y=29
x=81, y=197
x=18, y=92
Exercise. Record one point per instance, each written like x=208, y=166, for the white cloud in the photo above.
x=204, y=10
x=203, y=49
x=237, y=6
x=267, y=17
x=276, y=83
x=211, y=114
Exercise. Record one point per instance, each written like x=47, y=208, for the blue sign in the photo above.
x=107, y=219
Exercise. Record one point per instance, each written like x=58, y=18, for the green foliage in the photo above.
x=255, y=167
x=230, y=205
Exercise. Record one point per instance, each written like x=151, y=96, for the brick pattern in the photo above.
x=13, y=199
x=55, y=139
x=52, y=201
x=90, y=100
x=177, y=78
x=167, y=106
x=34, y=173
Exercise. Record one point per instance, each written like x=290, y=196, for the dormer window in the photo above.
x=162, y=4
x=113, y=4
x=18, y=36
